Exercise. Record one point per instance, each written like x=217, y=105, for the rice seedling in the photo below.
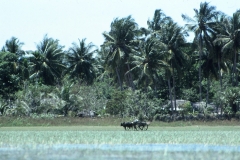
x=112, y=142
x=119, y=137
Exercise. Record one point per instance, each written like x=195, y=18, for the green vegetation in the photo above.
x=218, y=135
x=136, y=73
x=151, y=74
x=49, y=121
x=107, y=141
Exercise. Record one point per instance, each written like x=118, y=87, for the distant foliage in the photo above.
x=136, y=72
x=10, y=78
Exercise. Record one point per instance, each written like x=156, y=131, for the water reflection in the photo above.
x=121, y=151
x=152, y=147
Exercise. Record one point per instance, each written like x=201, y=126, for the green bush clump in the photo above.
x=43, y=115
x=237, y=115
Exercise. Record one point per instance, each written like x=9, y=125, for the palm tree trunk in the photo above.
x=170, y=94
x=174, y=92
x=235, y=66
x=220, y=74
x=208, y=88
x=146, y=85
x=130, y=78
x=119, y=80
x=199, y=70
x=127, y=80
x=220, y=79
x=154, y=84
x=155, y=89
x=234, y=77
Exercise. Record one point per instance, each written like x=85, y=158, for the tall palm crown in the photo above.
x=46, y=62
x=203, y=22
x=80, y=60
x=229, y=38
x=168, y=33
x=202, y=25
x=14, y=46
x=149, y=61
x=209, y=65
x=120, y=42
x=120, y=39
x=173, y=37
x=159, y=20
x=100, y=60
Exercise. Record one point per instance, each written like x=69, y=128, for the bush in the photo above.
x=163, y=117
x=210, y=109
x=230, y=97
x=116, y=105
x=190, y=95
x=141, y=117
x=187, y=108
x=228, y=112
x=237, y=115
x=157, y=117
x=43, y=115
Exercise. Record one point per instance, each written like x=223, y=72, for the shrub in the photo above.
x=116, y=105
x=237, y=115
x=187, y=107
x=228, y=112
x=157, y=117
x=230, y=97
x=43, y=115
x=141, y=117
x=190, y=95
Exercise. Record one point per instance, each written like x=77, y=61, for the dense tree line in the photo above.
x=135, y=71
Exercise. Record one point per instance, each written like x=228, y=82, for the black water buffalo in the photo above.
x=129, y=125
x=142, y=125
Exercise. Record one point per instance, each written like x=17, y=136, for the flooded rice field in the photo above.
x=121, y=151
x=105, y=143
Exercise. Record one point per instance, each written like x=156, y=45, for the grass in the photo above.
x=116, y=135
x=108, y=121
x=119, y=128
x=65, y=142
x=60, y=121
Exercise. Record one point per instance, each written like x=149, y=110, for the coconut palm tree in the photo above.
x=120, y=42
x=80, y=60
x=216, y=53
x=173, y=37
x=210, y=70
x=202, y=25
x=215, y=63
x=149, y=61
x=159, y=20
x=46, y=63
x=100, y=63
x=229, y=39
x=9, y=81
x=162, y=28
x=14, y=46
